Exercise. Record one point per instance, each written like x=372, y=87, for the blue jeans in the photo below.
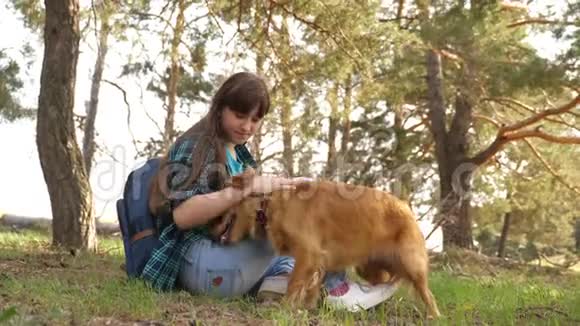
x=226, y=271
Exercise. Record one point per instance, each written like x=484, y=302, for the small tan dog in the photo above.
x=328, y=226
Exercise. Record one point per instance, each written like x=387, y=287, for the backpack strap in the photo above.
x=143, y=234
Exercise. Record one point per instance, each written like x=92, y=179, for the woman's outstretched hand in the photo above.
x=252, y=184
x=263, y=184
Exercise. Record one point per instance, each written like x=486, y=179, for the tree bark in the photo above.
x=507, y=220
x=451, y=154
x=400, y=9
x=286, y=105
x=436, y=115
x=331, y=160
x=403, y=179
x=260, y=60
x=456, y=202
x=174, y=76
x=60, y=157
x=89, y=132
x=286, y=117
x=346, y=124
x=517, y=131
x=577, y=234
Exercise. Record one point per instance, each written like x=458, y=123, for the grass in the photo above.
x=41, y=285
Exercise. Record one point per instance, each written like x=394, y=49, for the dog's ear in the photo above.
x=215, y=227
x=303, y=186
x=242, y=217
x=243, y=179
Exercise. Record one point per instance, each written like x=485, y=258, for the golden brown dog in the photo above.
x=328, y=226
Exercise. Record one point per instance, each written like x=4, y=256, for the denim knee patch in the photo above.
x=223, y=282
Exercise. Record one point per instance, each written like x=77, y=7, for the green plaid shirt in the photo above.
x=162, y=269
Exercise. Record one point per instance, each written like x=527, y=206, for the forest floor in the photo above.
x=42, y=285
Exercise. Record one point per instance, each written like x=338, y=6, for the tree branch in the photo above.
x=550, y=169
x=151, y=15
x=390, y=20
x=513, y=132
x=539, y=134
x=94, y=12
x=252, y=44
x=577, y=115
x=515, y=171
x=417, y=125
x=530, y=109
x=128, y=111
x=341, y=31
x=539, y=116
x=541, y=21
x=508, y=5
x=195, y=20
x=400, y=9
x=240, y=14
x=318, y=28
x=213, y=16
x=108, y=153
x=502, y=139
x=447, y=53
x=271, y=156
x=566, y=265
x=488, y=119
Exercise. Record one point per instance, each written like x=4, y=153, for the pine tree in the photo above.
x=73, y=222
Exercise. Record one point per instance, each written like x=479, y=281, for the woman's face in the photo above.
x=240, y=127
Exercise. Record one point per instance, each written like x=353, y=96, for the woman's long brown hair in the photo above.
x=242, y=92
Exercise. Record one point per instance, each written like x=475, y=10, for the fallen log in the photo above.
x=44, y=223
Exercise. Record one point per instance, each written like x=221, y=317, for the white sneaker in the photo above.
x=354, y=296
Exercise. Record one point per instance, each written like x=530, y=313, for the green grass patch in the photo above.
x=42, y=285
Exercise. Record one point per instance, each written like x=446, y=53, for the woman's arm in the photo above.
x=200, y=209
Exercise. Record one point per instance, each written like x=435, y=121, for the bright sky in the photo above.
x=23, y=190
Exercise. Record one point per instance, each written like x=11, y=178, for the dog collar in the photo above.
x=226, y=234
x=261, y=217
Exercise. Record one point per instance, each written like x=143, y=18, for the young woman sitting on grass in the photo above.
x=197, y=165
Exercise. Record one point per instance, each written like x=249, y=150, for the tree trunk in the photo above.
x=455, y=198
x=286, y=105
x=331, y=160
x=451, y=154
x=89, y=132
x=457, y=230
x=255, y=145
x=286, y=117
x=260, y=60
x=437, y=115
x=60, y=157
x=577, y=235
x=507, y=220
x=403, y=178
x=174, y=76
x=346, y=124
